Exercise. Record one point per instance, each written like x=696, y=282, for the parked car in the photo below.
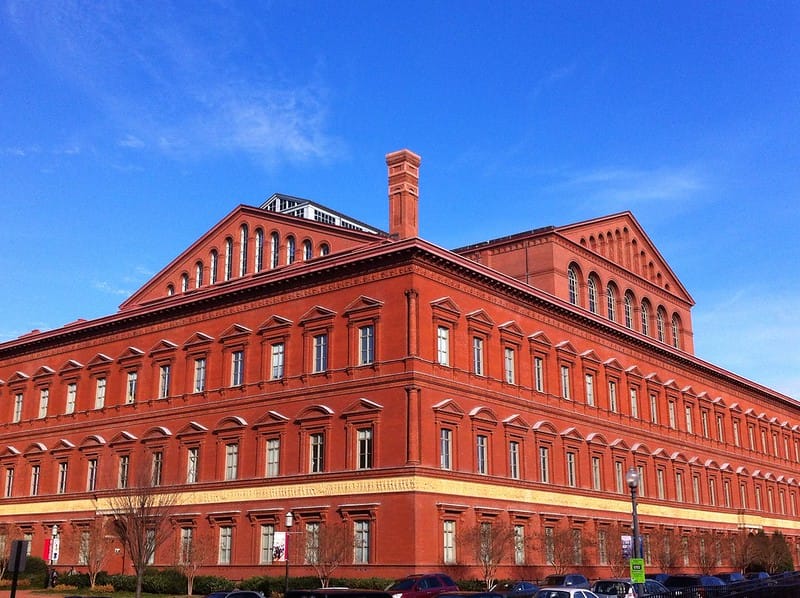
x=337, y=593
x=570, y=580
x=472, y=594
x=758, y=575
x=659, y=577
x=731, y=577
x=564, y=592
x=624, y=588
x=695, y=586
x=516, y=589
x=427, y=585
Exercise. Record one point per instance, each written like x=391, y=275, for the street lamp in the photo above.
x=632, y=479
x=288, y=522
x=53, y=555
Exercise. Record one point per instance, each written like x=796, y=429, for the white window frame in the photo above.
x=231, y=461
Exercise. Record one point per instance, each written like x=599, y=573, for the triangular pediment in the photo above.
x=484, y=415
x=479, y=317
x=512, y=328
x=162, y=346
x=34, y=448
x=123, y=437
x=271, y=418
x=619, y=238
x=130, y=353
x=191, y=428
x=214, y=261
x=234, y=331
x=613, y=364
x=18, y=378
x=197, y=339
x=448, y=407
x=100, y=360
x=273, y=323
x=540, y=338
x=446, y=306
x=9, y=451
x=590, y=355
x=633, y=372
x=516, y=421
x=572, y=433
x=43, y=372
x=315, y=314
x=362, y=406
x=70, y=367
x=362, y=303
x=653, y=378
x=566, y=347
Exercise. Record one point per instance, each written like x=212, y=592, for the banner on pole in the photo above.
x=279, y=546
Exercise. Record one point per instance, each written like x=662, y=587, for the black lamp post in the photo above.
x=632, y=479
x=288, y=523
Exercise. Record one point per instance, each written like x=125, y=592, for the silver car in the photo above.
x=624, y=588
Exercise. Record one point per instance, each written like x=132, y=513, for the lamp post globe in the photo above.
x=288, y=522
x=632, y=478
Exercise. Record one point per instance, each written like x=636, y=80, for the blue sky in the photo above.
x=128, y=129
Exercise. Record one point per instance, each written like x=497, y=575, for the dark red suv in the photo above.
x=427, y=585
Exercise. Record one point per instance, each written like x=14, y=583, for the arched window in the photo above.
x=592, y=295
x=324, y=249
x=611, y=297
x=645, y=318
x=170, y=290
x=198, y=275
x=290, y=249
x=572, y=279
x=214, y=266
x=228, y=258
x=259, y=249
x=184, y=282
x=676, y=331
x=244, y=240
x=660, y=315
x=274, y=250
x=308, y=251
x=628, y=310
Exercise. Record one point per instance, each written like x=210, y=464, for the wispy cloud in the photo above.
x=763, y=347
x=109, y=288
x=167, y=86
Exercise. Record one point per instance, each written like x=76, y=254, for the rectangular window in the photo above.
x=231, y=461
x=696, y=489
x=100, y=393
x=443, y=345
x=186, y=555
x=612, y=396
x=84, y=548
x=163, y=380
x=653, y=408
x=157, y=468
x=72, y=395
x=736, y=440
x=549, y=546
x=44, y=399
x=679, y=486
x=366, y=345
x=508, y=365
x=712, y=492
x=9, y=482
x=660, y=486
x=477, y=355
x=513, y=460
x=35, y=471
x=200, y=374
x=91, y=475
x=449, y=542
x=671, y=415
x=590, y=389
x=565, y=386
x=361, y=541
x=273, y=457
x=619, y=477
x=544, y=464
x=726, y=489
x=538, y=374
x=597, y=479
x=572, y=475
x=237, y=368
x=320, y=353
x=192, y=464
x=364, y=448
x=316, y=453
x=18, y=407
x=445, y=448
x=312, y=542
x=704, y=423
x=62, y=477
x=602, y=546
x=130, y=387
x=267, y=543
x=688, y=412
x=482, y=456
x=642, y=480
x=634, y=395
x=276, y=361
x=519, y=545
x=225, y=544
x=124, y=466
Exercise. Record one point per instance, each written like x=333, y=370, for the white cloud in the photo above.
x=110, y=289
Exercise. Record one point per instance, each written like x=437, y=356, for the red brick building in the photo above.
x=292, y=359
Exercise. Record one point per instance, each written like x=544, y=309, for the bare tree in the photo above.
x=93, y=545
x=191, y=554
x=327, y=545
x=8, y=533
x=490, y=542
x=664, y=548
x=141, y=514
x=563, y=547
x=741, y=549
x=705, y=550
x=615, y=556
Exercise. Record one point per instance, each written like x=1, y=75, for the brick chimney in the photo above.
x=403, y=193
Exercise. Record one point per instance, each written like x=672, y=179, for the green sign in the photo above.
x=637, y=570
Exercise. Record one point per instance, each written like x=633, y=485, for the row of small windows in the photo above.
x=153, y=466
x=629, y=308
x=222, y=267
x=164, y=374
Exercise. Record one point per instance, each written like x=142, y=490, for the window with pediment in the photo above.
x=363, y=318
x=318, y=330
x=275, y=333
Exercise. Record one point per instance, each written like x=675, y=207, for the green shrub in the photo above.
x=205, y=584
x=122, y=583
x=261, y=583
